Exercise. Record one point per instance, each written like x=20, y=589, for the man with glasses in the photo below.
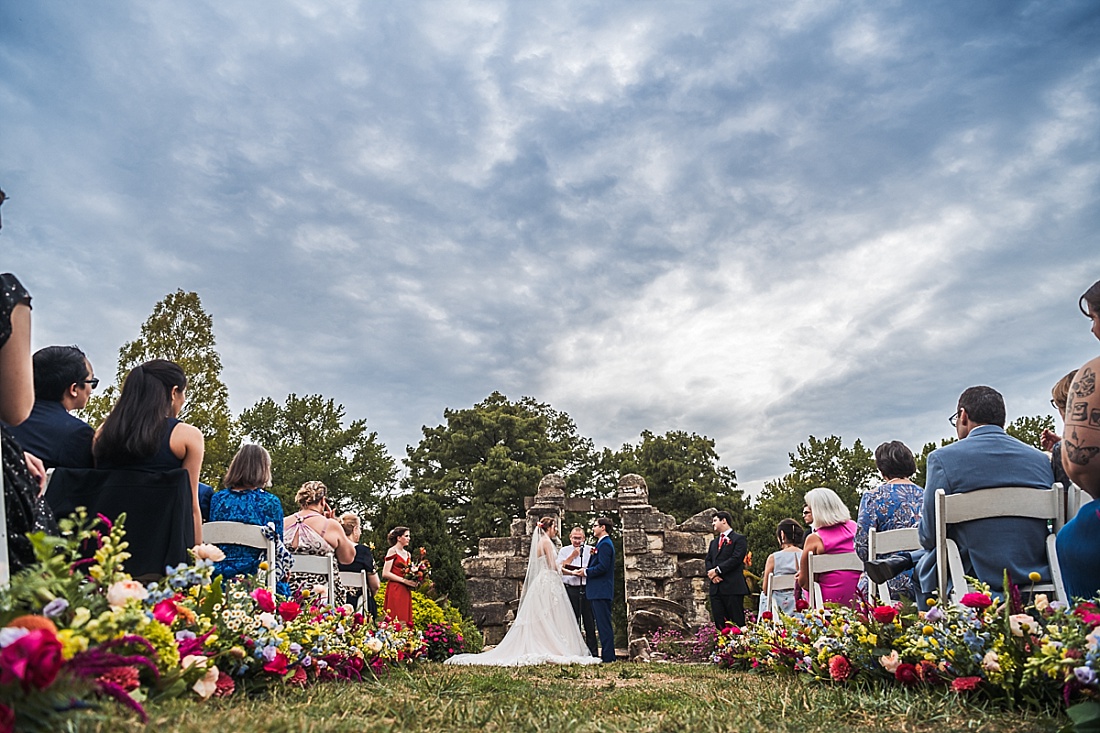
x=63, y=382
x=985, y=457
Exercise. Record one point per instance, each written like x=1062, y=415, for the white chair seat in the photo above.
x=318, y=565
x=885, y=543
x=778, y=582
x=819, y=564
x=247, y=535
x=357, y=582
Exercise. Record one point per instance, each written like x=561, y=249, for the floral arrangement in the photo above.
x=1045, y=653
x=429, y=612
x=421, y=571
x=673, y=646
x=443, y=641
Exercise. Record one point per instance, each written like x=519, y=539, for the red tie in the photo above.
x=723, y=541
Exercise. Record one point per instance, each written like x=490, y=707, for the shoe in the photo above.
x=880, y=571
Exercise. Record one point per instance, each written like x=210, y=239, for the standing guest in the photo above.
x=894, y=504
x=572, y=557
x=834, y=534
x=63, y=382
x=143, y=430
x=600, y=573
x=1051, y=441
x=313, y=530
x=725, y=566
x=244, y=500
x=364, y=561
x=397, y=602
x=783, y=561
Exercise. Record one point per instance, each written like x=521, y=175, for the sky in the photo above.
x=754, y=221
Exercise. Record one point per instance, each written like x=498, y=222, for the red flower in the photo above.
x=298, y=679
x=977, y=600
x=839, y=668
x=927, y=672
x=965, y=684
x=801, y=604
x=224, y=686
x=1089, y=613
x=165, y=612
x=124, y=677
x=766, y=616
x=263, y=599
x=884, y=614
x=731, y=630
x=906, y=674
x=277, y=665
x=33, y=659
x=289, y=611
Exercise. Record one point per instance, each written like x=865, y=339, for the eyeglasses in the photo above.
x=805, y=512
x=94, y=381
x=955, y=418
x=1057, y=406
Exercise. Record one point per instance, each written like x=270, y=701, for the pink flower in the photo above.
x=33, y=659
x=124, y=590
x=298, y=679
x=906, y=674
x=1021, y=623
x=965, y=684
x=212, y=553
x=263, y=599
x=125, y=677
x=165, y=612
x=884, y=614
x=277, y=665
x=976, y=600
x=1089, y=613
x=207, y=685
x=891, y=661
x=225, y=686
x=839, y=668
x=7, y=719
x=289, y=611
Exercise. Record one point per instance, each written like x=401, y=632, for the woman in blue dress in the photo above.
x=895, y=504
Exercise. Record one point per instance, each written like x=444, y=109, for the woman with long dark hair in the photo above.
x=143, y=430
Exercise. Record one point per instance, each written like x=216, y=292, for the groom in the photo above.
x=601, y=585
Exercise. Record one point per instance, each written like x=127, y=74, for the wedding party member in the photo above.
x=397, y=600
x=63, y=382
x=783, y=561
x=725, y=566
x=143, y=430
x=1052, y=441
x=364, y=561
x=600, y=590
x=545, y=630
x=572, y=557
x=893, y=504
x=834, y=533
x=313, y=530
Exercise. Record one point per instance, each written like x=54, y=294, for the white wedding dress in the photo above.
x=545, y=630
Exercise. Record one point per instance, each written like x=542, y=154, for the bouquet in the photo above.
x=421, y=571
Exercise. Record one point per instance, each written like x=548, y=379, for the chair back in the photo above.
x=246, y=535
x=1003, y=501
x=318, y=565
x=778, y=582
x=819, y=564
x=357, y=582
x=888, y=542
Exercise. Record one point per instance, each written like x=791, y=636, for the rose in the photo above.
x=213, y=553
x=965, y=684
x=839, y=668
x=1021, y=623
x=991, y=662
x=124, y=590
x=289, y=611
x=884, y=614
x=34, y=659
x=906, y=674
x=298, y=679
x=277, y=665
x=976, y=600
x=926, y=671
x=207, y=685
x=263, y=599
x=165, y=612
x=891, y=661
x=766, y=616
x=801, y=604
x=1042, y=603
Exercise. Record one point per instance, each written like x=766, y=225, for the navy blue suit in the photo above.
x=55, y=436
x=600, y=590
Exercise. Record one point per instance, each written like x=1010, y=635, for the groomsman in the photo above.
x=725, y=565
x=575, y=556
x=600, y=574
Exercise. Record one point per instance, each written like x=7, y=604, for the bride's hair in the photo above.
x=546, y=523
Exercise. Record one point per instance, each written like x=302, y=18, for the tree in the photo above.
x=481, y=464
x=1030, y=429
x=424, y=518
x=684, y=474
x=181, y=331
x=308, y=442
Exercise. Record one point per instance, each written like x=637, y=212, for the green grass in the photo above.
x=623, y=697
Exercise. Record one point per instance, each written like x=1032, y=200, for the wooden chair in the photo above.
x=247, y=535
x=777, y=582
x=319, y=565
x=887, y=543
x=356, y=582
x=1004, y=501
x=827, y=563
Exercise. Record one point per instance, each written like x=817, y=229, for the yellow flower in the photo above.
x=1033, y=576
x=71, y=644
x=931, y=601
x=263, y=565
x=928, y=630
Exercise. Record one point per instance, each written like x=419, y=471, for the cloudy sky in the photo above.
x=755, y=221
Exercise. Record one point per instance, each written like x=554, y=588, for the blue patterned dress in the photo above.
x=250, y=506
x=885, y=507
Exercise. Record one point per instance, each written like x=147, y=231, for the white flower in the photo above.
x=1021, y=623
x=891, y=661
x=1042, y=603
x=124, y=590
x=10, y=634
x=374, y=645
x=267, y=620
x=990, y=662
x=207, y=684
x=208, y=552
x=1093, y=639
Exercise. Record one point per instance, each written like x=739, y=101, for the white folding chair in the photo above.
x=248, y=535
x=1003, y=501
x=777, y=582
x=356, y=582
x=887, y=543
x=1074, y=500
x=319, y=565
x=819, y=564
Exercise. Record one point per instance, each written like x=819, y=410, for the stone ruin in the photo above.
x=664, y=583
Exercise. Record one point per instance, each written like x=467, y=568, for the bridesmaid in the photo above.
x=397, y=602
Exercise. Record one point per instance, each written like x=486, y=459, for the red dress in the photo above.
x=398, y=601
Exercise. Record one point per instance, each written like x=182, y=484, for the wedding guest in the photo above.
x=783, y=561
x=573, y=557
x=397, y=601
x=313, y=530
x=894, y=504
x=244, y=500
x=63, y=382
x=725, y=568
x=1051, y=441
x=834, y=533
x=143, y=430
x=364, y=561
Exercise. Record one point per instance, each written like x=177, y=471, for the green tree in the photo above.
x=1030, y=429
x=481, y=464
x=181, y=331
x=424, y=518
x=308, y=442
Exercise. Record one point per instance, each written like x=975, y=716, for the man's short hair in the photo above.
x=577, y=529
x=606, y=523
x=984, y=406
x=724, y=515
x=56, y=368
x=895, y=460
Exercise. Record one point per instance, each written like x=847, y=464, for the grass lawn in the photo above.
x=620, y=697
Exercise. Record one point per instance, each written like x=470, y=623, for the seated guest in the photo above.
x=143, y=431
x=834, y=534
x=895, y=504
x=312, y=530
x=1052, y=441
x=783, y=561
x=244, y=500
x=63, y=382
x=364, y=561
x=985, y=457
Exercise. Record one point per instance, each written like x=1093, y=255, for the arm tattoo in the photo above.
x=1085, y=383
x=1078, y=454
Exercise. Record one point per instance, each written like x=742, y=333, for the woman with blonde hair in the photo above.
x=313, y=530
x=363, y=562
x=834, y=534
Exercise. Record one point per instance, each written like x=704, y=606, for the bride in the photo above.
x=545, y=629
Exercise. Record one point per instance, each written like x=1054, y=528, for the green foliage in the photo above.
x=181, y=331
x=1030, y=429
x=308, y=442
x=424, y=518
x=481, y=464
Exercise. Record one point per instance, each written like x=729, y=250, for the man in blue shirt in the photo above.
x=63, y=381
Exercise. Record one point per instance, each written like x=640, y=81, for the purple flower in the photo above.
x=1085, y=675
x=934, y=614
x=295, y=647
x=55, y=608
x=270, y=652
x=185, y=635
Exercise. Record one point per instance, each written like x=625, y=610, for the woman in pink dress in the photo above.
x=834, y=534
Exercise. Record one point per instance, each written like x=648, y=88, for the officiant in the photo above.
x=572, y=557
